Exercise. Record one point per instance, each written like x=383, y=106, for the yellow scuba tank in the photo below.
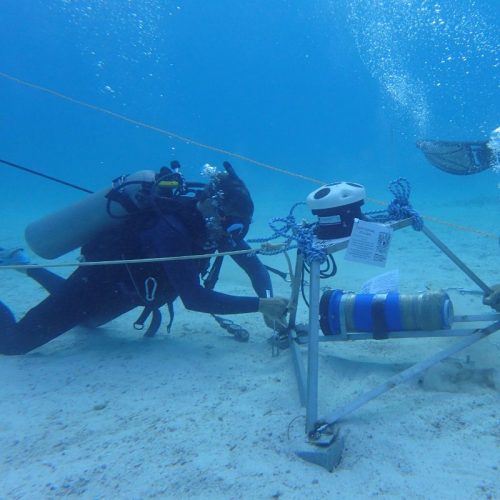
x=65, y=230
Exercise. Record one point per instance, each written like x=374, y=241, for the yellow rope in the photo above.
x=225, y=152
x=458, y=227
x=162, y=131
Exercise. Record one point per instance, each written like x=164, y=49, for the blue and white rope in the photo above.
x=400, y=208
x=302, y=235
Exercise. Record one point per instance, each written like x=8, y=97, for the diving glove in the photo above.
x=493, y=299
x=274, y=310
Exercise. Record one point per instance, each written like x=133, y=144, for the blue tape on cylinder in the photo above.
x=378, y=313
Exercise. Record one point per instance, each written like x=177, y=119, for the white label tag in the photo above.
x=369, y=243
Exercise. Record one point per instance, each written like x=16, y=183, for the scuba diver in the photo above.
x=216, y=218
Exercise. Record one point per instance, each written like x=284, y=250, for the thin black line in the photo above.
x=50, y=178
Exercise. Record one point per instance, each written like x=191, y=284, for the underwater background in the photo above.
x=334, y=90
x=327, y=89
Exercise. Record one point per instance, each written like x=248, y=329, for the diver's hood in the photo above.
x=233, y=200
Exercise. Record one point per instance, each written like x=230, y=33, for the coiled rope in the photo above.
x=302, y=235
x=400, y=207
x=295, y=235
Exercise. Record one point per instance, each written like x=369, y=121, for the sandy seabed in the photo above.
x=106, y=413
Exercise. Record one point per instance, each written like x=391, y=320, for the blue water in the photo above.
x=331, y=89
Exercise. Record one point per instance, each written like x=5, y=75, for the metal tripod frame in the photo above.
x=308, y=380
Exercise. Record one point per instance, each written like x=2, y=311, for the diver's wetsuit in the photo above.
x=96, y=295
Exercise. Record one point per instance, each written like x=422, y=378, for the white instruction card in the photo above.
x=369, y=243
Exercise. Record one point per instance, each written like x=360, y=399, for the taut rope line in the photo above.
x=231, y=154
x=160, y=130
x=126, y=261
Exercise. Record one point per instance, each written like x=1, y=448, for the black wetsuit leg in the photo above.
x=49, y=280
x=52, y=282
x=103, y=293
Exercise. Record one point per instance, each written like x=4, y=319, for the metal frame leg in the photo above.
x=313, y=349
x=411, y=372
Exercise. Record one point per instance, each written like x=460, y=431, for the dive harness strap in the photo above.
x=121, y=198
x=213, y=274
x=151, y=306
x=156, y=318
x=155, y=321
